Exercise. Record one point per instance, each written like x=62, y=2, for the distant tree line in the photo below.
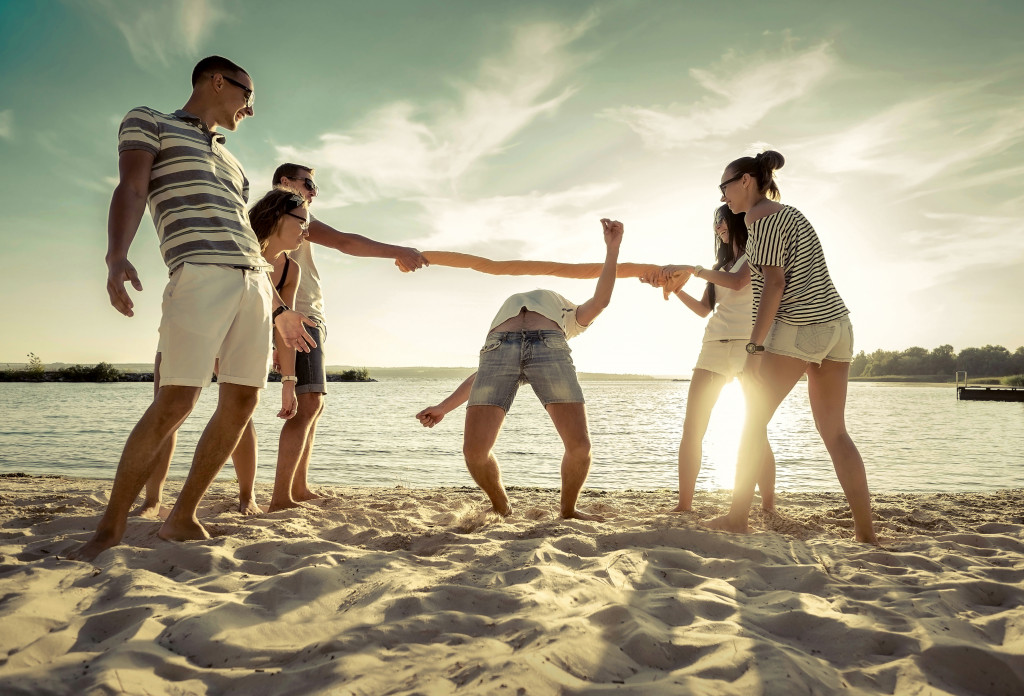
x=990, y=361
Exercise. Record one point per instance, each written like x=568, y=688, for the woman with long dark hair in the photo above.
x=727, y=298
x=801, y=326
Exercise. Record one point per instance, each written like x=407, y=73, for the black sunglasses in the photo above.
x=304, y=224
x=250, y=97
x=310, y=186
x=721, y=186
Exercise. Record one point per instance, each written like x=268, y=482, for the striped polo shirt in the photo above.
x=197, y=190
x=786, y=239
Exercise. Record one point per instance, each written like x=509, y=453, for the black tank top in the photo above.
x=284, y=273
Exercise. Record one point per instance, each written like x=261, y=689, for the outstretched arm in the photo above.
x=406, y=258
x=127, y=206
x=588, y=311
x=727, y=279
x=433, y=415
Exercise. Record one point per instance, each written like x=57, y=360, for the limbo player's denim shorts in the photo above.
x=511, y=358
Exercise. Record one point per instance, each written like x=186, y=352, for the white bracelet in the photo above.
x=697, y=270
x=289, y=378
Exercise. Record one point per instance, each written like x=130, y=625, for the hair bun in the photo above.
x=770, y=160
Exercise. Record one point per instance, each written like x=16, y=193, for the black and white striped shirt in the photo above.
x=197, y=190
x=786, y=239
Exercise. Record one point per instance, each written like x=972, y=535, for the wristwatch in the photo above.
x=697, y=270
x=289, y=378
x=754, y=349
x=282, y=308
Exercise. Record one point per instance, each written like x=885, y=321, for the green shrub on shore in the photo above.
x=1014, y=381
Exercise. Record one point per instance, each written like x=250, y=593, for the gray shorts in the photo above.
x=310, y=367
x=511, y=358
x=832, y=340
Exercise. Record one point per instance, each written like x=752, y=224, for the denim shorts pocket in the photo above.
x=815, y=338
x=492, y=344
x=557, y=343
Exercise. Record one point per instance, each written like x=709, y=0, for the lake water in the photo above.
x=913, y=438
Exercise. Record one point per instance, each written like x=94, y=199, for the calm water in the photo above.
x=913, y=438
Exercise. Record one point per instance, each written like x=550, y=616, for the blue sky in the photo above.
x=508, y=130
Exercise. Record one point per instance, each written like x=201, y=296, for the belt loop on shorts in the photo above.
x=251, y=269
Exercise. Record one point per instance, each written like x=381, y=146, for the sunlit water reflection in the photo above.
x=913, y=438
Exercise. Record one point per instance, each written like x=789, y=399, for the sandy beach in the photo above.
x=421, y=591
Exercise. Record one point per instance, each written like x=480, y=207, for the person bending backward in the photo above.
x=727, y=297
x=800, y=326
x=218, y=302
x=295, y=447
x=527, y=343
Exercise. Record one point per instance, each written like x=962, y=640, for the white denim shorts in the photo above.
x=832, y=340
x=212, y=312
x=725, y=358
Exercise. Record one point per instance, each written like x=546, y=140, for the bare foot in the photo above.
x=727, y=524
x=577, y=515
x=306, y=495
x=506, y=513
x=868, y=539
x=681, y=508
x=249, y=507
x=148, y=510
x=189, y=530
x=100, y=542
x=276, y=505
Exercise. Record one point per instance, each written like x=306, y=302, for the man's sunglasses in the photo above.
x=310, y=186
x=250, y=96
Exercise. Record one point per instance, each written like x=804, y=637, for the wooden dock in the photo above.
x=986, y=392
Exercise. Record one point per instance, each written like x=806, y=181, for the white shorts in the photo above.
x=212, y=312
x=832, y=340
x=725, y=358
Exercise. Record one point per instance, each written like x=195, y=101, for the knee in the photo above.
x=311, y=406
x=579, y=449
x=832, y=434
x=475, y=453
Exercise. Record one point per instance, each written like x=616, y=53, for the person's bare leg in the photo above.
x=290, y=448
x=705, y=387
x=309, y=403
x=765, y=385
x=766, y=480
x=826, y=389
x=483, y=423
x=164, y=416
x=570, y=421
x=235, y=405
x=245, y=459
x=150, y=506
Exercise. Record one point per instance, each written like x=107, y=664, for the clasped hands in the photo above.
x=668, y=278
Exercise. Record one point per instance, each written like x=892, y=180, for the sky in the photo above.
x=508, y=130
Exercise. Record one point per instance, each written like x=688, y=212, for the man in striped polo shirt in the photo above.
x=219, y=302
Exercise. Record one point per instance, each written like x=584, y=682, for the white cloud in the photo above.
x=407, y=149
x=546, y=226
x=743, y=90
x=954, y=130
x=156, y=32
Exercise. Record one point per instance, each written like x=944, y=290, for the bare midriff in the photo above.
x=527, y=321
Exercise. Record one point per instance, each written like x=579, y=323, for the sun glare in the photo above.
x=722, y=439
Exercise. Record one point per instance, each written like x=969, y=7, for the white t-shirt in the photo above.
x=309, y=296
x=547, y=303
x=731, y=319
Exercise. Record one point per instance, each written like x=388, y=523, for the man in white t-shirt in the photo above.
x=298, y=434
x=527, y=343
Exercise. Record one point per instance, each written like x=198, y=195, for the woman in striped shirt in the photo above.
x=800, y=326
